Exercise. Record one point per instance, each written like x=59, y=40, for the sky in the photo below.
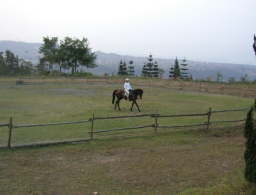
x=199, y=30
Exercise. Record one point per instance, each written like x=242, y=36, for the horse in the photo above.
x=134, y=95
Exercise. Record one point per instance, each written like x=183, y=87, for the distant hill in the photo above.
x=109, y=62
x=21, y=49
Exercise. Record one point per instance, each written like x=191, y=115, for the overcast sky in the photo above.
x=201, y=30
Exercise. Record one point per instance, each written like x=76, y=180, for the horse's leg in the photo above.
x=132, y=105
x=118, y=104
x=115, y=104
x=137, y=106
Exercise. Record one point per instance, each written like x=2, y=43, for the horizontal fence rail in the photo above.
x=120, y=129
x=48, y=124
x=177, y=126
x=180, y=115
x=155, y=125
x=3, y=125
x=233, y=110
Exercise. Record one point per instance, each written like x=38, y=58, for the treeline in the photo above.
x=149, y=69
x=11, y=65
x=67, y=54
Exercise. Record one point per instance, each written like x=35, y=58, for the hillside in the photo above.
x=109, y=62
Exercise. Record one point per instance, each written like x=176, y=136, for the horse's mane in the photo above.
x=137, y=91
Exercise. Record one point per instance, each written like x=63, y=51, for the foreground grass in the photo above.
x=186, y=162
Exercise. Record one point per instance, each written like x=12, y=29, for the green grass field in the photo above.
x=43, y=104
x=175, y=161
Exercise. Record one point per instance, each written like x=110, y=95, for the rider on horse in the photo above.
x=127, y=88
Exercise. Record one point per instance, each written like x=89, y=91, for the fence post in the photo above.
x=92, y=127
x=156, y=121
x=209, y=117
x=10, y=133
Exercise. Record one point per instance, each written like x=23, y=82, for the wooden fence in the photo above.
x=155, y=125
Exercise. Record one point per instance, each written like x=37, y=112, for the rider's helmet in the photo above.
x=126, y=79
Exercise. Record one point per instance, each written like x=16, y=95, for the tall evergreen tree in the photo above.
x=171, y=72
x=175, y=70
x=155, y=72
x=144, y=70
x=150, y=66
x=150, y=69
x=184, y=70
x=250, y=151
x=122, y=69
x=130, y=70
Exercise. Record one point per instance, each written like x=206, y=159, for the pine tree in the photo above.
x=171, y=72
x=122, y=69
x=144, y=70
x=183, y=70
x=250, y=151
x=150, y=69
x=130, y=69
x=175, y=70
x=150, y=66
x=155, y=70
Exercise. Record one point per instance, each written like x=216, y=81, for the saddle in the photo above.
x=129, y=94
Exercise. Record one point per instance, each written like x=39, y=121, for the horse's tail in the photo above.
x=114, y=95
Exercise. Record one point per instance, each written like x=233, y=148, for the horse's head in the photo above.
x=140, y=93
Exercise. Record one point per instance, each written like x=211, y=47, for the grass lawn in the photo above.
x=175, y=161
x=186, y=162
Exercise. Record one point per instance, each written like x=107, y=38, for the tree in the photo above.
x=130, y=70
x=122, y=69
x=3, y=65
x=71, y=53
x=150, y=69
x=78, y=53
x=250, y=151
x=144, y=71
x=161, y=72
x=183, y=70
x=175, y=70
x=243, y=79
x=49, y=49
x=12, y=63
x=26, y=67
x=219, y=77
x=155, y=72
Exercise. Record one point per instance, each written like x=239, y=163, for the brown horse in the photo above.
x=134, y=95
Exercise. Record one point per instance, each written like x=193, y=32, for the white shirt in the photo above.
x=127, y=85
